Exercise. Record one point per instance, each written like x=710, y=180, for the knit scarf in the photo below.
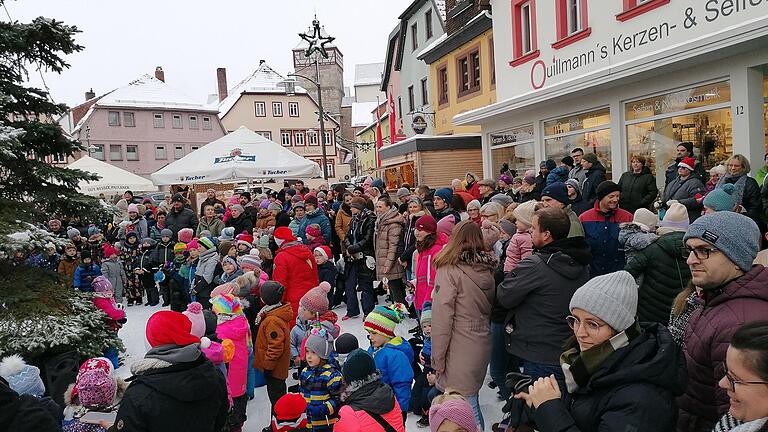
x=264, y=311
x=738, y=181
x=752, y=426
x=578, y=366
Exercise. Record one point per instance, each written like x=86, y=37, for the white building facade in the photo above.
x=624, y=78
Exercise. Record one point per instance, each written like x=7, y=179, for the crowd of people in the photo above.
x=592, y=305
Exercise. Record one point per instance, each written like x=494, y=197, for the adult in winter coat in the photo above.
x=137, y=221
x=734, y=292
x=180, y=217
x=359, y=253
x=210, y=200
x=388, y=232
x=315, y=215
x=684, y=150
x=174, y=387
x=415, y=210
x=601, y=227
x=472, y=187
x=343, y=218
x=638, y=186
x=747, y=192
x=556, y=196
x=294, y=267
x=428, y=244
x=239, y=220
x=595, y=176
x=537, y=293
x=687, y=189
x=365, y=396
x=662, y=267
x=25, y=413
x=621, y=376
x=461, y=312
x=210, y=222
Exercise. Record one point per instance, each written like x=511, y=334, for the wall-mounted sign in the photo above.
x=419, y=124
x=524, y=133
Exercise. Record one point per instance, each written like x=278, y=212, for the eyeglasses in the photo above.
x=732, y=381
x=592, y=326
x=701, y=253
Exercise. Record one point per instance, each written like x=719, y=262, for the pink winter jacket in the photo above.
x=359, y=421
x=109, y=307
x=425, y=271
x=520, y=247
x=238, y=332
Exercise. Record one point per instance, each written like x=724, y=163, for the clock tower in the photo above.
x=331, y=75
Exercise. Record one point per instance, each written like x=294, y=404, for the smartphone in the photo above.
x=96, y=417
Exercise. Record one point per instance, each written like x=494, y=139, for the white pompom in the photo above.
x=204, y=342
x=12, y=365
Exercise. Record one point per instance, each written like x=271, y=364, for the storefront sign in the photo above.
x=419, y=124
x=710, y=94
x=512, y=136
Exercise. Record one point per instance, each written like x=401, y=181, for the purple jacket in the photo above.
x=707, y=337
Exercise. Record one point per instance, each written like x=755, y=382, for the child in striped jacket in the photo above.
x=321, y=382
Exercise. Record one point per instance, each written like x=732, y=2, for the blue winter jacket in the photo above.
x=559, y=174
x=84, y=275
x=316, y=217
x=394, y=360
x=602, y=233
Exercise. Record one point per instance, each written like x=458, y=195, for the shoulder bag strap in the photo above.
x=380, y=420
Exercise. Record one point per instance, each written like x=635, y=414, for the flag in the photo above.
x=379, y=138
x=392, y=121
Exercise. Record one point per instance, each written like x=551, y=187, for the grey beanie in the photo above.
x=274, y=206
x=503, y=199
x=165, y=232
x=237, y=207
x=320, y=344
x=72, y=233
x=611, y=297
x=403, y=192
x=735, y=235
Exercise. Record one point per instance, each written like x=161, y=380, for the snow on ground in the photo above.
x=133, y=337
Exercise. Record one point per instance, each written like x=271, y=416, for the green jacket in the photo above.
x=664, y=272
x=760, y=176
x=637, y=190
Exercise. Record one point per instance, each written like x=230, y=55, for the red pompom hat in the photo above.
x=169, y=328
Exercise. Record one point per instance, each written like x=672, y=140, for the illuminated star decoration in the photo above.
x=316, y=40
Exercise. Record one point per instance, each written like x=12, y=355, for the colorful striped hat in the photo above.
x=226, y=304
x=179, y=248
x=383, y=319
x=206, y=242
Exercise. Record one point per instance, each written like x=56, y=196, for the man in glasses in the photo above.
x=720, y=249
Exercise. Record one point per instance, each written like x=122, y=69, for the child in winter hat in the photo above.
x=103, y=298
x=290, y=414
x=344, y=345
x=720, y=199
x=675, y=219
x=454, y=410
x=22, y=378
x=320, y=382
x=233, y=325
x=314, y=303
x=215, y=351
x=185, y=235
x=639, y=234
x=520, y=246
x=326, y=269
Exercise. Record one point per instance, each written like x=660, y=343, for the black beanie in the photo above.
x=272, y=292
x=346, y=343
x=688, y=146
x=605, y=188
x=358, y=366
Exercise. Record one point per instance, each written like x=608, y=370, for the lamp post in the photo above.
x=88, y=139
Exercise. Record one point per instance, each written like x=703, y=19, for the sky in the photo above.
x=190, y=39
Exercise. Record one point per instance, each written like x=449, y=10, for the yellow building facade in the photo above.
x=368, y=159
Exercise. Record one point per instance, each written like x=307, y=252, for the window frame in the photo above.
x=178, y=117
x=175, y=152
x=194, y=125
x=299, y=134
x=424, y=91
x=158, y=116
x=275, y=106
x=328, y=138
x=100, y=148
x=634, y=8
x=165, y=152
x=129, y=115
x=59, y=158
x=207, y=125
x=113, y=115
x=443, y=86
x=428, y=24
x=265, y=134
x=565, y=35
x=519, y=56
x=127, y=152
x=492, y=61
x=111, y=150
x=286, y=134
x=313, y=138
x=474, y=73
x=291, y=106
x=411, y=99
x=263, y=105
x=400, y=106
x=414, y=36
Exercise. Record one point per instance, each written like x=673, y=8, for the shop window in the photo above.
x=114, y=118
x=701, y=115
x=571, y=20
x=513, y=147
x=442, y=85
x=590, y=131
x=468, y=68
x=633, y=8
x=129, y=120
x=260, y=109
x=524, y=45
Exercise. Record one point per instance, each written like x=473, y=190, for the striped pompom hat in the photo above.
x=226, y=304
x=383, y=319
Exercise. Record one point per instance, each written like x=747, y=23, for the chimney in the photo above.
x=221, y=82
x=90, y=94
x=159, y=74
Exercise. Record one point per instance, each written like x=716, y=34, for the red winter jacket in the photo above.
x=707, y=337
x=295, y=268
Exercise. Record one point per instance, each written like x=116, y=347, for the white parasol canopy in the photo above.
x=113, y=180
x=240, y=155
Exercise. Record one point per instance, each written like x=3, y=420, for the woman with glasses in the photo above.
x=620, y=375
x=746, y=379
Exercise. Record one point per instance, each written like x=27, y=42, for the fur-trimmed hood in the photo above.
x=479, y=260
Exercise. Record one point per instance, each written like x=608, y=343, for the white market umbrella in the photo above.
x=240, y=155
x=113, y=180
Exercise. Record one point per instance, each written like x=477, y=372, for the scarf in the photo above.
x=264, y=311
x=738, y=181
x=753, y=426
x=578, y=367
x=206, y=265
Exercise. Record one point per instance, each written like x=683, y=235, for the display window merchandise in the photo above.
x=590, y=131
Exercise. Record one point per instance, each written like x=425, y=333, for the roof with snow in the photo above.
x=362, y=113
x=263, y=80
x=368, y=74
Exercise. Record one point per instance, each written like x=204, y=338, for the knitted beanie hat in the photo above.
x=446, y=194
x=524, y=212
x=274, y=206
x=321, y=343
x=721, y=199
x=298, y=204
x=506, y=179
x=263, y=241
x=264, y=204
x=427, y=224
x=501, y=199
x=225, y=288
x=206, y=242
x=290, y=413
x=646, y=218
x=133, y=208
x=185, y=235
x=227, y=234
x=165, y=232
x=310, y=199
x=224, y=247
x=402, y=192
x=325, y=251
x=72, y=233
x=426, y=313
x=590, y=157
x=384, y=319
x=231, y=261
x=237, y=207
x=346, y=343
x=314, y=230
x=179, y=248
x=250, y=263
x=96, y=388
x=272, y=292
x=558, y=192
x=531, y=180
x=101, y=284
x=473, y=205
x=192, y=244
x=169, y=328
x=459, y=411
x=508, y=227
x=611, y=297
x=359, y=366
x=733, y=234
x=316, y=299
x=606, y=188
x=194, y=313
x=226, y=304
x=21, y=377
x=675, y=219
x=358, y=203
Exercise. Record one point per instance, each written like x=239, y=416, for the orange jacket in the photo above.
x=273, y=342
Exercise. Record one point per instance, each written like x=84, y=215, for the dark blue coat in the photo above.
x=602, y=233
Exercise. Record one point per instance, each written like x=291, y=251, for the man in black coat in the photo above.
x=359, y=253
x=210, y=200
x=250, y=212
x=174, y=387
x=239, y=220
x=595, y=176
x=684, y=150
x=180, y=217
